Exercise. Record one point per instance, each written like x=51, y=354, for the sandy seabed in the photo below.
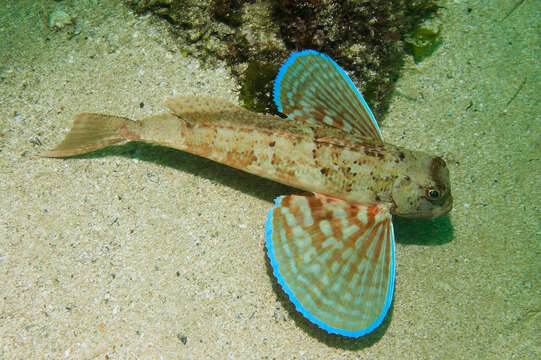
x=146, y=252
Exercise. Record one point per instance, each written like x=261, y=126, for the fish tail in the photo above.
x=91, y=132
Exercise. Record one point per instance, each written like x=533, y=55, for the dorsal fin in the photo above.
x=311, y=87
x=205, y=108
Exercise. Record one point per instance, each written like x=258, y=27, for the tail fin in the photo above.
x=92, y=132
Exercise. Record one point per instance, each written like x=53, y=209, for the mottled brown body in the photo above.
x=345, y=169
x=309, y=156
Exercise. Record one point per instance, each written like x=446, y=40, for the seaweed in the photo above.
x=256, y=91
x=423, y=41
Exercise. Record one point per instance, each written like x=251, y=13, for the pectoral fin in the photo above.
x=334, y=259
x=311, y=87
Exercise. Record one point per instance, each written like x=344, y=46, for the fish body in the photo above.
x=307, y=156
x=332, y=251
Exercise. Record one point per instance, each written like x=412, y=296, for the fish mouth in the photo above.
x=446, y=207
x=442, y=208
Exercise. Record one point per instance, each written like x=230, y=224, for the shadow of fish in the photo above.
x=332, y=250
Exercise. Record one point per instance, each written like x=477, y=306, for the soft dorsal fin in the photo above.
x=220, y=112
x=204, y=108
x=311, y=87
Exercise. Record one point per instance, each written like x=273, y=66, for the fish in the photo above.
x=331, y=246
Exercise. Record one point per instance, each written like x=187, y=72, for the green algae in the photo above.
x=423, y=41
x=256, y=91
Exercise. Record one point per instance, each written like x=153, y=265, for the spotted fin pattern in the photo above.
x=334, y=259
x=311, y=87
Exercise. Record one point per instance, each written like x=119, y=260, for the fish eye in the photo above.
x=432, y=194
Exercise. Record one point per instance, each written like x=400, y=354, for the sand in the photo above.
x=146, y=252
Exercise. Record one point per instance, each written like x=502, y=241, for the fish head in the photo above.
x=423, y=189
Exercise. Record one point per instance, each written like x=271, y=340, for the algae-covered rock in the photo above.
x=366, y=37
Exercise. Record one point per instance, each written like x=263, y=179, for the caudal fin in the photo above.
x=92, y=132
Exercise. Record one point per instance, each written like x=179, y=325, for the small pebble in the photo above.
x=59, y=19
x=183, y=338
x=153, y=178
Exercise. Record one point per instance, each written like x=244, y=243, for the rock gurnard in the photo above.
x=332, y=250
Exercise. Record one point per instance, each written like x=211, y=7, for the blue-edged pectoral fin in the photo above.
x=334, y=259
